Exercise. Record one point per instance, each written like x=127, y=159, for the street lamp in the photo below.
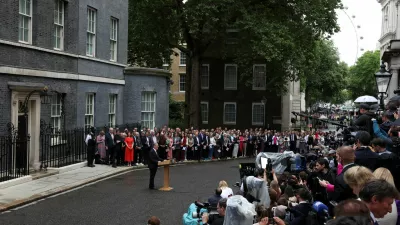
x=382, y=82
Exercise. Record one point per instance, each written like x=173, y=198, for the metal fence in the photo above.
x=60, y=148
x=14, y=155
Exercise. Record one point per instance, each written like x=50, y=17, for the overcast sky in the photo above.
x=367, y=15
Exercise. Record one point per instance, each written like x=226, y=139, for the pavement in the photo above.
x=120, y=199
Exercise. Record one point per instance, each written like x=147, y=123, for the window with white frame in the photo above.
x=205, y=76
x=112, y=108
x=230, y=113
x=182, y=83
x=204, y=112
x=59, y=25
x=258, y=112
x=148, y=108
x=113, y=39
x=25, y=21
x=91, y=32
x=182, y=59
x=259, y=77
x=56, y=113
x=230, y=77
x=89, y=112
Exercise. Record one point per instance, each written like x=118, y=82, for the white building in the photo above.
x=390, y=41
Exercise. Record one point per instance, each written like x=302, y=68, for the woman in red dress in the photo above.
x=241, y=141
x=129, y=149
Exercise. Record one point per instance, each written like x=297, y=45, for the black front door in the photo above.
x=22, y=144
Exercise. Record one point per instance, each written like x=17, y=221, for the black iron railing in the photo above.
x=14, y=157
x=59, y=148
x=62, y=148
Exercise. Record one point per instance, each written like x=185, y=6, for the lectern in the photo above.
x=166, y=164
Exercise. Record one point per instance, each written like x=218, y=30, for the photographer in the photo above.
x=363, y=122
x=216, y=219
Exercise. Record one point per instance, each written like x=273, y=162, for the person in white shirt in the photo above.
x=226, y=190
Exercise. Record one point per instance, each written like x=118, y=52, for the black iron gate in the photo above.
x=14, y=153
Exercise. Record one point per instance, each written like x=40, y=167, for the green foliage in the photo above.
x=327, y=76
x=280, y=33
x=175, y=109
x=362, y=75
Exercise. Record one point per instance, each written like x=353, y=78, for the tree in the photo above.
x=362, y=75
x=281, y=32
x=326, y=78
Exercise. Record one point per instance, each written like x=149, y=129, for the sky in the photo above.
x=367, y=14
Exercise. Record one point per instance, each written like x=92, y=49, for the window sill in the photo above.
x=182, y=65
x=91, y=56
x=230, y=89
x=204, y=122
x=257, y=124
x=259, y=89
x=58, y=49
x=230, y=123
x=25, y=43
x=181, y=91
x=205, y=88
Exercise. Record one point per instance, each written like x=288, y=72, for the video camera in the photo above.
x=200, y=205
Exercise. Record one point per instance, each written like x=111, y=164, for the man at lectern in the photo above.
x=153, y=164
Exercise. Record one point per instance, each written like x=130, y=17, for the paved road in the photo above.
x=125, y=199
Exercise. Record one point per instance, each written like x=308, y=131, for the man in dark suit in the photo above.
x=364, y=155
x=153, y=164
x=301, y=211
x=110, y=145
x=342, y=190
x=197, y=146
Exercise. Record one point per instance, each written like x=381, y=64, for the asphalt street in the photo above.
x=125, y=199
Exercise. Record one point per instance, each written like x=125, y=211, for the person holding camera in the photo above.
x=216, y=219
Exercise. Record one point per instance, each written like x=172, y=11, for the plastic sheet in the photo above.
x=239, y=211
x=259, y=190
x=279, y=160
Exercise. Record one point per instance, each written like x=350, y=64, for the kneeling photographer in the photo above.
x=216, y=219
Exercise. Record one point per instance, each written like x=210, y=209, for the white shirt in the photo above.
x=88, y=137
x=226, y=192
x=212, y=141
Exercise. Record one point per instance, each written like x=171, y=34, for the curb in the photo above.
x=56, y=191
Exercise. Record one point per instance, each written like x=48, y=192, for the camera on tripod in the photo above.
x=200, y=205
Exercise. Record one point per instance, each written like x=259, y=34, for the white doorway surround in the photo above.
x=19, y=92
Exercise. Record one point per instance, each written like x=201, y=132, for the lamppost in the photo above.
x=382, y=82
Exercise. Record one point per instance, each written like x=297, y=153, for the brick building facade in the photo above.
x=78, y=50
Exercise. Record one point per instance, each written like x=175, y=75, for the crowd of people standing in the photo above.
x=118, y=147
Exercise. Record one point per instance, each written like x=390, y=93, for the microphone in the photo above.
x=320, y=207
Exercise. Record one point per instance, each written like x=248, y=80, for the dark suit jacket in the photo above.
x=109, y=141
x=342, y=190
x=301, y=212
x=153, y=159
x=366, y=157
x=196, y=143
